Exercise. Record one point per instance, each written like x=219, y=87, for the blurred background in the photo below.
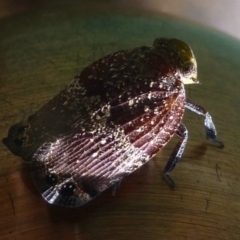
x=222, y=15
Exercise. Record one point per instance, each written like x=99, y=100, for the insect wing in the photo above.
x=76, y=168
x=125, y=79
x=85, y=94
x=129, y=118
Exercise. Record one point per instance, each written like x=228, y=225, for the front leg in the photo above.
x=209, y=125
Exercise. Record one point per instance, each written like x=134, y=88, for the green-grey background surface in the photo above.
x=40, y=53
x=60, y=45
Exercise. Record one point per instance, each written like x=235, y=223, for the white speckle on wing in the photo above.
x=130, y=102
x=146, y=108
x=94, y=154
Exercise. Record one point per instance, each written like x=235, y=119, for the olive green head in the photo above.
x=188, y=64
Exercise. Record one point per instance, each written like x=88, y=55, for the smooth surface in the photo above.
x=222, y=15
x=41, y=51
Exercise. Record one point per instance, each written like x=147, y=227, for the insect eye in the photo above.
x=188, y=67
x=52, y=179
x=68, y=189
x=20, y=141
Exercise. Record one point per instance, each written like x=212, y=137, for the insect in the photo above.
x=116, y=115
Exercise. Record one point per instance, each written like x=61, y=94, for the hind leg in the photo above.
x=182, y=133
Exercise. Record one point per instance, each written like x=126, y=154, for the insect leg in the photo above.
x=209, y=125
x=181, y=132
x=115, y=187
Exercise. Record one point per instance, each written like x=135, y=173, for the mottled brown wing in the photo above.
x=125, y=76
x=76, y=168
x=89, y=91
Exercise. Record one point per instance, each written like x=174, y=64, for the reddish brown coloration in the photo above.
x=111, y=119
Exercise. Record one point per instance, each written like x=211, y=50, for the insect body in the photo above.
x=110, y=120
